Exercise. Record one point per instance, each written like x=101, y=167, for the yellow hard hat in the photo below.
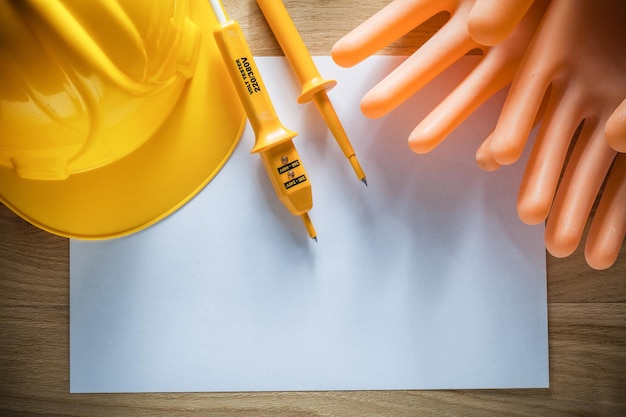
x=113, y=113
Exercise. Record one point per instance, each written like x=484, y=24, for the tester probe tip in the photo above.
x=309, y=226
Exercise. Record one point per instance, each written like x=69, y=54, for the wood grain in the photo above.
x=587, y=309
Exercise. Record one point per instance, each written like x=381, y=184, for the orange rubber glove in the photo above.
x=497, y=67
x=495, y=71
x=578, y=55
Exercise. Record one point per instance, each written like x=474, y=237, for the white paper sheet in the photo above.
x=426, y=279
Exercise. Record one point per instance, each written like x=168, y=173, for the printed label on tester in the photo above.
x=247, y=75
x=289, y=166
x=295, y=182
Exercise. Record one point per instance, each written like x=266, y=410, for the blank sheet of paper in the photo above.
x=425, y=279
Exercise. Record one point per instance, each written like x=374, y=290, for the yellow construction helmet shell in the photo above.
x=113, y=113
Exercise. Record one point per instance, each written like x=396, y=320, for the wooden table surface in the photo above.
x=587, y=308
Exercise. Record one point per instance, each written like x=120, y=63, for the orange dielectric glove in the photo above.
x=451, y=42
x=573, y=69
x=576, y=64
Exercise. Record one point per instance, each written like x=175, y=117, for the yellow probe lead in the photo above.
x=314, y=87
x=273, y=141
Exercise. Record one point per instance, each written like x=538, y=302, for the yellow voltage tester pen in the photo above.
x=314, y=87
x=273, y=141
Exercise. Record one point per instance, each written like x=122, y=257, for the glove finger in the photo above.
x=579, y=187
x=608, y=227
x=518, y=113
x=562, y=116
x=485, y=159
x=491, y=21
x=489, y=77
x=384, y=27
x=449, y=44
x=483, y=156
x=615, y=129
